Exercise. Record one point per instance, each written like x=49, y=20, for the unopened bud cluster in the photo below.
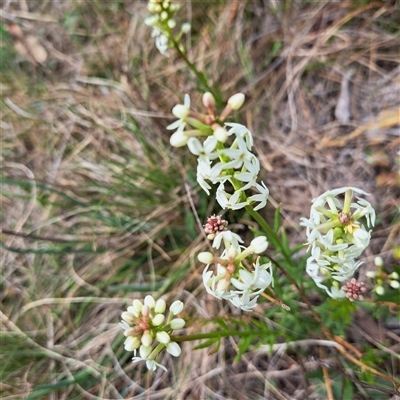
x=214, y=224
x=383, y=278
x=219, y=162
x=148, y=328
x=231, y=280
x=337, y=235
x=164, y=24
x=354, y=290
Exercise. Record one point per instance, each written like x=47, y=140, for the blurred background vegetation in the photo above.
x=98, y=209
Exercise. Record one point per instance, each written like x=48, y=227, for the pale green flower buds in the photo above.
x=158, y=320
x=149, y=301
x=178, y=139
x=221, y=134
x=394, y=284
x=177, y=323
x=186, y=27
x=147, y=328
x=205, y=257
x=160, y=306
x=181, y=111
x=152, y=8
x=171, y=23
x=378, y=261
x=147, y=339
x=236, y=101
x=131, y=343
x=176, y=307
x=128, y=317
x=151, y=21
x=259, y=244
x=380, y=290
x=137, y=306
x=163, y=337
x=394, y=275
x=174, y=349
x=208, y=100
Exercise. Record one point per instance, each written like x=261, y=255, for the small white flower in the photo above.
x=150, y=364
x=251, y=175
x=364, y=208
x=242, y=131
x=230, y=239
x=256, y=281
x=334, y=192
x=181, y=112
x=211, y=283
x=203, y=151
x=205, y=172
x=162, y=45
x=346, y=270
x=262, y=197
x=226, y=200
x=336, y=293
x=237, y=155
x=361, y=238
x=245, y=302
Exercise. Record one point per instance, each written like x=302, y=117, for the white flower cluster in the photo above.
x=148, y=329
x=163, y=24
x=337, y=236
x=232, y=280
x=219, y=163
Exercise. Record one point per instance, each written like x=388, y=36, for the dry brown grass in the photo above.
x=71, y=124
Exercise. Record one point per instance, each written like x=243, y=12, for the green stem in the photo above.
x=210, y=335
x=268, y=230
x=198, y=74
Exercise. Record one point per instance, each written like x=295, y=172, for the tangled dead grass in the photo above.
x=322, y=83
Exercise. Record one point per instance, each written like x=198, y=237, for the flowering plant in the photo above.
x=338, y=229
